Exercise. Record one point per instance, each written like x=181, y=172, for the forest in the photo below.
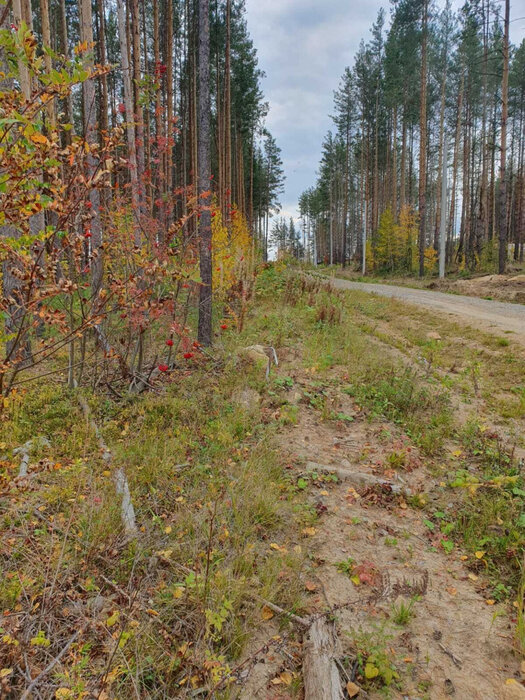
x=431, y=85
x=227, y=470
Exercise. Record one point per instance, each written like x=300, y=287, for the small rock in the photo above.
x=432, y=335
x=256, y=353
x=295, y=398
x=512, y=690
x=248, y=399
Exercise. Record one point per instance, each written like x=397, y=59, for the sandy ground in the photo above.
x=483, y=313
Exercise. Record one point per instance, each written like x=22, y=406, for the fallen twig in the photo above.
x=25, y=451
x=119, y=476
x=51, y=665
x=454, y=658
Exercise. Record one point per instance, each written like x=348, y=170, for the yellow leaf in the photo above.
x=275, y=546
x=309, y=531
x=463, y=558
x=4, y=672
x=63, y=693
x=168, y=529
x=178, y=592
x=355, y=580
x=371, y=671
x=480, y=555
x=113, y=619
x=490, y=602
x=37, y=137
x=266, y=613
x=286, y=677
x=473, y=577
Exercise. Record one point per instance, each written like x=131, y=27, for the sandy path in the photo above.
x=489, y=315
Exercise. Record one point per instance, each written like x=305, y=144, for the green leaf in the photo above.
x=447, y=545
x=430, y=525
x=371, y=671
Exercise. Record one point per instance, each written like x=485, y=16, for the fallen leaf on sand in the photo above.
x=352, y=689
x=266, y=613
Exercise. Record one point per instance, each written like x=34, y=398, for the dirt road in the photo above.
x=484, y=313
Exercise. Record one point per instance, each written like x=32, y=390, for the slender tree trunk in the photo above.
x=137, y=107
x=130, y=129
x=227, y=115
x=423, y=145
x=170, y=126
x=204, y=141
x=89, y=110
x=503, y=253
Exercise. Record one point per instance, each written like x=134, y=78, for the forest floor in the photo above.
x=400, y=432
x=508, y=288
x=376, y=476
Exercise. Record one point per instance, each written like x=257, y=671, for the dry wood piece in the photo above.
x=25, y=451
x=320, y=672
x=119, y=476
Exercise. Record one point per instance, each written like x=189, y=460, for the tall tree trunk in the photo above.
x=89, y=111
x=130, y=129
x=227, y=114
x=138, y=111
x=170, y=127
x=204, y=143
x=502, y=258
x=423, y=145
x=440, y=161
x=46, y=40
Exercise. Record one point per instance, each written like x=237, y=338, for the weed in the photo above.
x=346, y=566
x=402, y=613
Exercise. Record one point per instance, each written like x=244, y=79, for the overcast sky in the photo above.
x=303, y=47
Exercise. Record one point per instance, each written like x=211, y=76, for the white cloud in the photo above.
x=303, y=47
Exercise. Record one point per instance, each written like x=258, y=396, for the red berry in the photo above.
x=224, y=327
x=88, y=204
x=188, y=355
x=163, y=368
x=169, y=343
x=88, y=234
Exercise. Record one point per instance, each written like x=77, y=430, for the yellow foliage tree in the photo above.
x=396, y=247
x=233, y=254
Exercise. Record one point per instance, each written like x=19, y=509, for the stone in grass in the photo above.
x=433, y=335
x=249, y=399
x=356, y=479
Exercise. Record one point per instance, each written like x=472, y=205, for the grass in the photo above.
x=172, y=611
x=219, y=516
x=402, y=613
x=380, y=354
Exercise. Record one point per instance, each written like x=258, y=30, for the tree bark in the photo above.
x=204, y=141
x=423, y=145
x=502, y=262
x=320, y=673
